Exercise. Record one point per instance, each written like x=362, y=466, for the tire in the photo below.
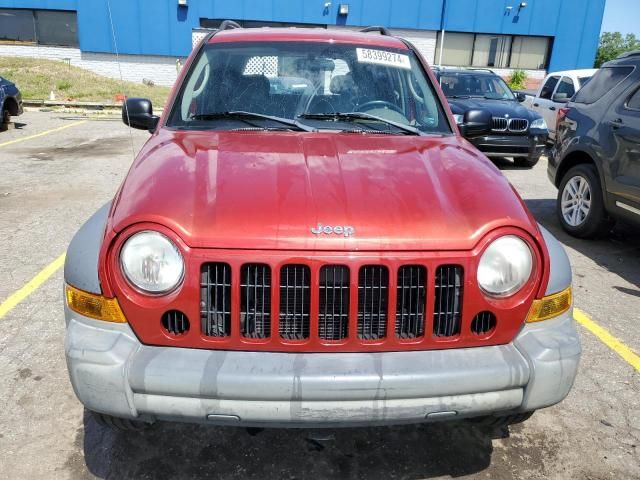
x=6, y=117
x=583, y=214
x=491, y=421
x=526, y=162
x=120, y=424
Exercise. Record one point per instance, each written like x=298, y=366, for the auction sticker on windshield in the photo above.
x=383, y=57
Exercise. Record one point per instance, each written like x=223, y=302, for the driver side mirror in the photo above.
x=560, y=98
x=475, y=123
x=138, y=113
x=521, y=97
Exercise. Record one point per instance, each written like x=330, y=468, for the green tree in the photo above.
x=613, y=44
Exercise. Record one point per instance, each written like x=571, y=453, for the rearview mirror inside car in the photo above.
x=560, y=98
x=138, y=113
x=475, y=122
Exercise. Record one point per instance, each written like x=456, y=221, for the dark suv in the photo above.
x=595, y=162
x=516, y=131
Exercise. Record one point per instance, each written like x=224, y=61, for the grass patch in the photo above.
x=36, y=78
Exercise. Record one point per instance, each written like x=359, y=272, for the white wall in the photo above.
x=135, y=68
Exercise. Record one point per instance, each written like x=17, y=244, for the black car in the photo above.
x=516, y=132
x=10, y=101
x=595, y=162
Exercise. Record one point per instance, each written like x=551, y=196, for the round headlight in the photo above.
x=151, y=262
x=505, y=266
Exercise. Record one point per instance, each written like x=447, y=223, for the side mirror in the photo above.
x=475, y=123
x=560, y=98
x=138, y=113
x=521, y=97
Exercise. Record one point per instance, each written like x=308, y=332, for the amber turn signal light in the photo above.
x=549, y=307
x=94, y=306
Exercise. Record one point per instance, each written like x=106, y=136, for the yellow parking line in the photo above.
x=42, y=134
x=33, y=284
x=609, y=340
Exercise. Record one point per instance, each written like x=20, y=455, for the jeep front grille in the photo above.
x=326, y=302
x=255, y=301
x=333, y=311
x=295, y=302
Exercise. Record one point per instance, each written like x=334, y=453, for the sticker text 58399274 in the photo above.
x=383, y=57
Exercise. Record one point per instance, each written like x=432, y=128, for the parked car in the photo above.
x=554, y=92
x=10, y=101
x=329, y=256
x=516, y=131
x=596, y=161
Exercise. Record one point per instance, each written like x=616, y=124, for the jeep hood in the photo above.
x=265, y=190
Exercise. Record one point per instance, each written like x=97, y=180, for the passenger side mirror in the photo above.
x=138, y=113
x=521, y=97
x=560, y=98
x=475, y=123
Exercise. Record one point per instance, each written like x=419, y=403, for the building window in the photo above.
x=493, y=51
x=43, y=27
x=529, y=53
x=458, y=48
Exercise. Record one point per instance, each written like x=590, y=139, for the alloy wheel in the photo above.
x=576, y=201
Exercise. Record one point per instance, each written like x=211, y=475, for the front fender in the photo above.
x=559, y=266
x=81, y=263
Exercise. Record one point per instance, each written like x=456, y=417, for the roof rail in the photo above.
x=377, y=28
x=229, y=25
x=634, y=53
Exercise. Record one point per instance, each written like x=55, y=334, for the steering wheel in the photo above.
x=378, y=104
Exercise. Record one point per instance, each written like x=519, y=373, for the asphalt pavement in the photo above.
x=56, y=169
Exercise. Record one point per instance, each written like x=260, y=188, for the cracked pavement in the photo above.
x=50, y=185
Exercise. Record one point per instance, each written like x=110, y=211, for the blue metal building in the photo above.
x=569, y=29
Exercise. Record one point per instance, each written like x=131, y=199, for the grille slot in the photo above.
x=255, y=300
x=483, y=323
x=447, y=307
x=499, y=124
x=373, y=298
x=410, y=301
x=333, y=315
x=175, y=322
x=215, y=299
x=518, y=125
x=295, y=302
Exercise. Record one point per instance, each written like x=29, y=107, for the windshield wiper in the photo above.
x=244, y=116
x=352, y=116
x=457, y=96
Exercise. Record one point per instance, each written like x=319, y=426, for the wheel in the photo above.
x=580, y=203
x=6, y=116
x=491, y=421
x=120, y=424
x=526, y=162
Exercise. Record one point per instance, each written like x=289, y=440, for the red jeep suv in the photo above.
x=307, y=240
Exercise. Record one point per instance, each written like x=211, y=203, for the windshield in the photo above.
x=307, y=83
x=465, y=84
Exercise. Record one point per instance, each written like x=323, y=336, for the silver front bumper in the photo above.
x=113, y=373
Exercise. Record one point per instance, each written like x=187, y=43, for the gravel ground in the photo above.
x=51, y=184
